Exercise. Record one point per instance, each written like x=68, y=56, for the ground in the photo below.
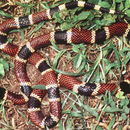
x=74, y=116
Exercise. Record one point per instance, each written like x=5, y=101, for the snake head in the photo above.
x=87, y=89
x=125, y=87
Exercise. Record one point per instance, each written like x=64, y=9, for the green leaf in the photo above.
x=93, y=1
x=120, y=95
x=127, y=4
x=78, y=61
x=108, y=19
x=117, y=56
x=111, y=123
x=5, y=64
x=90, y=110
x=109, y=66
x=36, y=28
x=124, y=102
x=99, y=128
x=91, y=16
x=83, y=15
x=69, y=125
x=126, y=109
x=54, y=46
x=2, y=72
x=75, y=48
x=119, y=127
x=111, y=102
x=5, y=14
x=57, y=18
x=110, y=109
x=66, y=26
x=76, y=114
x=123, y=117
x=21, y=32
x=118, y=1
x=128, y=12
x=67, y=73
x=61, y=127
x=121, y=7
x=39, y=87
x=112, y=114
x=104, y=4
x=55, y=61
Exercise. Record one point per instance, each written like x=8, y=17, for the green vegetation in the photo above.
x=95, y=63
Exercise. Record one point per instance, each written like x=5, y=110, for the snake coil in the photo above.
x=27, y=53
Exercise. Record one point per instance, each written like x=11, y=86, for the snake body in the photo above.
x=27, y=53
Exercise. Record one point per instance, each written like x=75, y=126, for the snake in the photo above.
x=28, y=51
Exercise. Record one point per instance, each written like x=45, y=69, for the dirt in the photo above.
x=17, y=116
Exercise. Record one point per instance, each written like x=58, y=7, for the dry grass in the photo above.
x=16, y=116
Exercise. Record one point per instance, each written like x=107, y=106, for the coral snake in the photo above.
x=52, y=83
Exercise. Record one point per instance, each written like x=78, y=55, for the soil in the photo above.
x=16, y=115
